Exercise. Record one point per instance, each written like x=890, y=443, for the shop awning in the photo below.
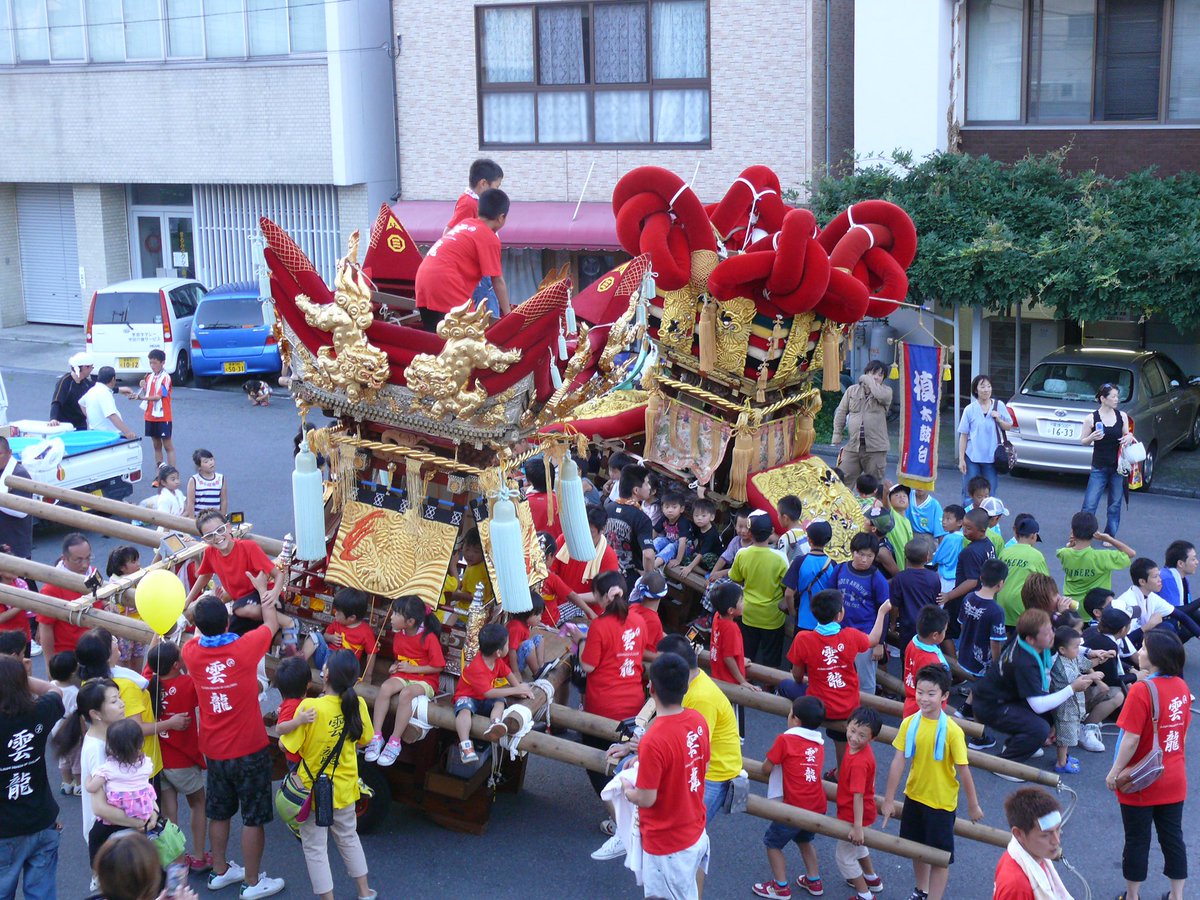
x=535, y=224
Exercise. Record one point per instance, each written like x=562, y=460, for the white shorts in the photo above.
x=847, y=856
x=673, y=877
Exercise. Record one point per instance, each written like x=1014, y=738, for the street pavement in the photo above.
x=539, y=839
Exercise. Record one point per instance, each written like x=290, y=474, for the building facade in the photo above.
x=146, y=138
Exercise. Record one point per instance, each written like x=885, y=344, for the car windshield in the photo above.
x=230, y=313
x=1072, y=381
x=127, y=309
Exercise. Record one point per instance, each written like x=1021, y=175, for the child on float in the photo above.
x=417, y=646
x=483, y=687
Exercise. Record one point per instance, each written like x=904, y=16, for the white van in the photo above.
x=128, y=320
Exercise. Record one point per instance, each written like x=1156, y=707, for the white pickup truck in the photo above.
x=96, y=462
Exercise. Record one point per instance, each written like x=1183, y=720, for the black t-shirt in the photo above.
x=1113, y=671
x=26, y=800
x=1015, y=678
x=972, y=558
x=681, y=529
x=911, y=591
x=706, y=541
x=629, y=532
x=14, y=531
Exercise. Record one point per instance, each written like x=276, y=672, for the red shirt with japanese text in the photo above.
x=828, y=660
x=1174, y=716
x=477, y=679
x=226, y=678
x=420, y=649
x=672, y=760
x=727, y=643
x=857, y=776
x=454, y=266
x=614, y=648
x=915, y=659
x=800, y=753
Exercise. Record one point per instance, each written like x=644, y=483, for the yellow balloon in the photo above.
x=160, y=597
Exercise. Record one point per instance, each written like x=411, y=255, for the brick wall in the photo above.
x=1112, y=151
x=12, y=307
x=177, y=124
x=761, y=57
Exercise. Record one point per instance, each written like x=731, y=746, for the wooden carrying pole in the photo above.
x=42, y=573
x=82, y=521
x=272, y=546
x=594, y=760
x=90, y=617
x=600, y=727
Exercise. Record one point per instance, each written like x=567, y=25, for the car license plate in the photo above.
x=1068, y=430
x=129, y=362
x=234, y=368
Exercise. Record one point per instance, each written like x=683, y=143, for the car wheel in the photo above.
x=373, y=811
x=183, y=370
x=1192, y=441
x=1148, y=465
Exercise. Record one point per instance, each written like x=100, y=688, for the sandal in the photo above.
x=1071, y=767
x=466, y=750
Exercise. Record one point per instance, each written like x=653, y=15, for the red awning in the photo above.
x=535, y=224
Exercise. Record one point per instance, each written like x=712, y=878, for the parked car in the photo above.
x=95, y=462
x=234, y=333
x=128, y=320
x=1049, y=409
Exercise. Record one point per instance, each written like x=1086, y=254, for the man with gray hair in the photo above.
x=64, y=406
x=99, y=407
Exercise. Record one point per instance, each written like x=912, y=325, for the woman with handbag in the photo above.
x=1148, y=773
x=981, y=440
x=1106, y=431
x=328, y=769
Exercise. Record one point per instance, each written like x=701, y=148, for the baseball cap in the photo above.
x=1114, y=619
x=993, y=506
x=1028, y=526
x=819, y=533
x=882, y=520
x=900, y=487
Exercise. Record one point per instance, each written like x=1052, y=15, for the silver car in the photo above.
x=1049, y=409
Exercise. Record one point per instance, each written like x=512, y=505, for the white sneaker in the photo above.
x=1038, y=753
x=610, y=849
x=233, y=875
x=35, y=649
x=372, y=752
x=266, y=887
x=1089, y=738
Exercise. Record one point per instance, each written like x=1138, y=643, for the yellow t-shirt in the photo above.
x=725, y=746
x=137, y=703
x=316, y=741
x=471, y=577
x=930, y=781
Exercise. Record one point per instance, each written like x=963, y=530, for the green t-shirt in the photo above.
x=1022, y=560
x=900, y=535
x=760, y=571
x=1089, y=568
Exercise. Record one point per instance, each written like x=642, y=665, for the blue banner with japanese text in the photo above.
x=920, y=370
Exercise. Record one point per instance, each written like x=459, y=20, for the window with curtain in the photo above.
x=994, y=53
x=1129, y=58
x=185, y=34
x=595, y=73
x=1063, y=36
x=1183, y=101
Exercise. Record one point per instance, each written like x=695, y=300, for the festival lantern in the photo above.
x=572, y=511
x=508, y=556
x=308, y=505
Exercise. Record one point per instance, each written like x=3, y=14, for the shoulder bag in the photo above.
x=319, y=797
x=1150, y=767
x=1005, y=457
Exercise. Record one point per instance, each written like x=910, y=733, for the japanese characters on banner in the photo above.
x=920, y=366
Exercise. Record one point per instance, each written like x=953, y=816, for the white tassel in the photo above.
x=572, y=513
x=572, y=326
x=508, y=556
x=308, y=506
x=555, y=376
x=562, y=345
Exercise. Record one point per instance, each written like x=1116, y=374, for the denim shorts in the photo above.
x=525, y=649
x=779, y=836
x=481, y=707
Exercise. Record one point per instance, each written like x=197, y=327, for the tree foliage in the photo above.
x=993, y=234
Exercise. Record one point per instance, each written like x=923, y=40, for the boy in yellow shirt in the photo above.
x=938, y=750
x=459, y=589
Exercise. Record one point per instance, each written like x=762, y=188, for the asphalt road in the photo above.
x=539, y=840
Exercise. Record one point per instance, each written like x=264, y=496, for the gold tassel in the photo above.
x=653, y=410
x=831, y=344
x=708, y=336
x=744, y=446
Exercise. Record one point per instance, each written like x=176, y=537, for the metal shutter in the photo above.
x=49, y=254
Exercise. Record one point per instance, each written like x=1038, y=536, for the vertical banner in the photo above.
x=920, y=368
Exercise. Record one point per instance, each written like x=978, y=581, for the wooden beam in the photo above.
x=115, y=623
x=42, y=573
x=272, y=546
x=82, y=521
x=594, y=760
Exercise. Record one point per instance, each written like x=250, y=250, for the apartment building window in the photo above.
x=114, y=31
x=1083, y=61
x=616, y=73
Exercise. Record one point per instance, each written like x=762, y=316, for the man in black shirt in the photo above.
x=64, y=406
x=29, y=832
x=628, y=530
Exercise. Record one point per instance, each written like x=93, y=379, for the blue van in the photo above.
x=233, y=333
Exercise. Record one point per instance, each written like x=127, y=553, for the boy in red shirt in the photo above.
x=1035, y=819
x=924, y=650
x=234, y=562
x=453, y=267
x=484, y=175
x=292, y=679
x=826, y=655
x=800, y=754
x=525, y=647
x=856, y=802
x=347, y=631
x=482, y=687
x=673, y=759
x=155, y=394
x=644, y=599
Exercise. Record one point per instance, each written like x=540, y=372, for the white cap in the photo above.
x=81, y=359
x=993, y=506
